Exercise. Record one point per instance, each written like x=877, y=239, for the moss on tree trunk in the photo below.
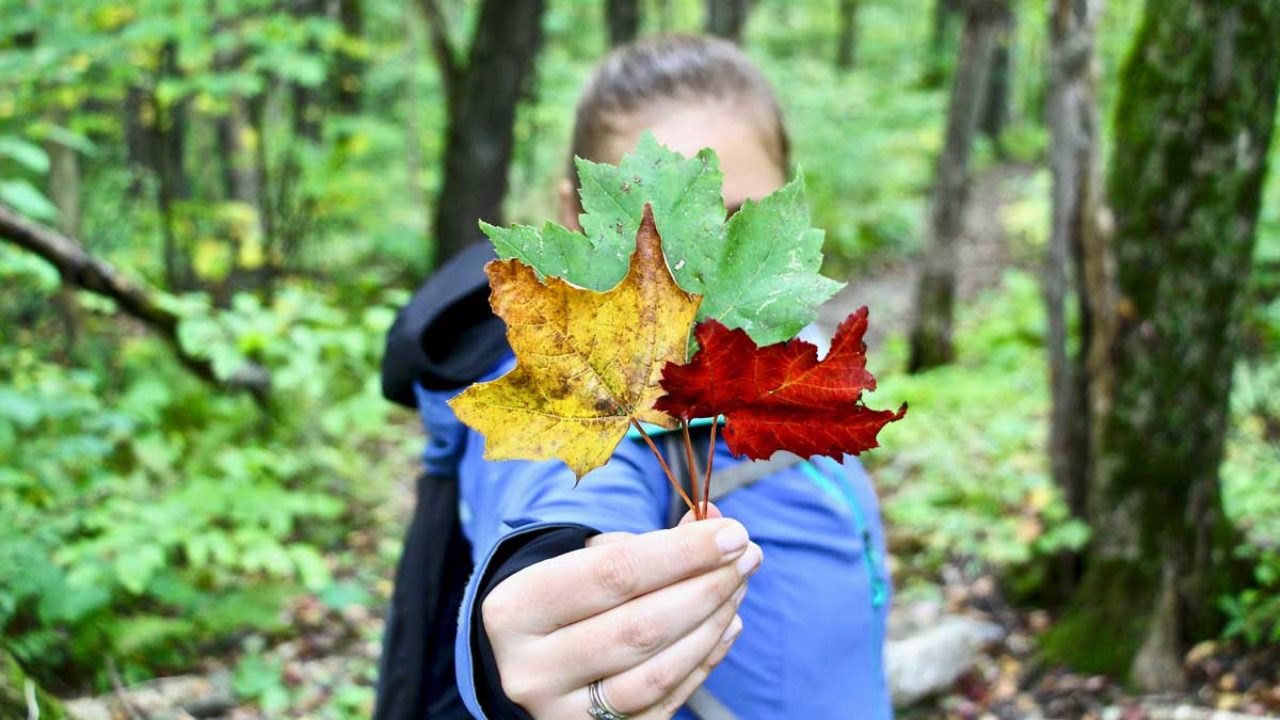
x=1193, y=127
x=18, y=694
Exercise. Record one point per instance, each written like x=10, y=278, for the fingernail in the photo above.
x=737, y=596
x=731, y=632
x=750, y=561
x=732, y=538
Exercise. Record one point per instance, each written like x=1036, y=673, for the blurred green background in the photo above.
x=155, y=524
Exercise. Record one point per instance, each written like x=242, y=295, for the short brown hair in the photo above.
x=670, y=67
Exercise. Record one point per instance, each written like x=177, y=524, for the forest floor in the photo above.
x=1009, y=682
x=327, y=667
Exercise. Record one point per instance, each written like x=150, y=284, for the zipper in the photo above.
x=840, y=489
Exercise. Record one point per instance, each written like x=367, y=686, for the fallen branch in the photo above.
x=87, y=272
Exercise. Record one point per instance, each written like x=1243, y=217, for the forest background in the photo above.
x=211, y=210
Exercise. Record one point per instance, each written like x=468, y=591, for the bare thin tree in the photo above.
x=727, y=18
x=935, y=294
x=623, y=19
x=1074, y=125
x=847, y=41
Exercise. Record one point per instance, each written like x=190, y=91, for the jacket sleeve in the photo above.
x=520, y=512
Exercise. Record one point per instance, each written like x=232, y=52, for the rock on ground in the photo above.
x=929, y=660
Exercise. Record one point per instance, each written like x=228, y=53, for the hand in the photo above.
x=651, y=614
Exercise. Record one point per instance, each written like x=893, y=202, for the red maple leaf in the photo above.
x=780, y=397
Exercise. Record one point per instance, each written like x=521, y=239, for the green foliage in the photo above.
x=144, y=513
x=758, y=271
x=121, y=71
x=1251, y=468
x=1253, y=615
x=261, y=678
x=20, y=697
x=273, y=685
x=19, y=157
x=969, y=476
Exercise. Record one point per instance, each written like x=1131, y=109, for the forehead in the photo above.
x=741, y=136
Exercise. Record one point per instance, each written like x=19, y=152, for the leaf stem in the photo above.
x=711, y=456
x=674, y=483
x=698, y=514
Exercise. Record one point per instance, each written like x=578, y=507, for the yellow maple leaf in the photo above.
x=587, y=363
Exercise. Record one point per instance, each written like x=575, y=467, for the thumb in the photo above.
x=712, y=512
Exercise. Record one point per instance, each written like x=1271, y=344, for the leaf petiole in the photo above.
x=698, y=514
x=711, y=456
x=674, y=483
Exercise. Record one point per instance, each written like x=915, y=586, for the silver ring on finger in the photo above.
x=600, y=708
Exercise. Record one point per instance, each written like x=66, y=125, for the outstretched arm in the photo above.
x=554, y=606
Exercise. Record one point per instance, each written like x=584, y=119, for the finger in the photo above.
x=626, y=636
x=620, y=691
x=712, y=513
x=607, y=538
x=661, y=677
x=587, y=582
x=671, y=704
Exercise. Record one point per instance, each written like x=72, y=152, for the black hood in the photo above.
x=447, y=336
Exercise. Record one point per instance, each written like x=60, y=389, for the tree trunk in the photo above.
x=305, y=113
x=944, y=13
x=137, y=139
x=1197, y=108
x=347, y=78
x=267, y=207
x=847, y=43
x=169, y=142
x=507, y=38
x=64, y=191
x=623, y=17
x=727, y=18
x=155, y=135
x=21, y=697
x=995, y=111
x=935, y=295
x=171, y=129
x=240, y=184
x=1072, y=112
x=413, y=154
x=306, y=109
x=64, y=185
x=442, y=50
x=240, y=181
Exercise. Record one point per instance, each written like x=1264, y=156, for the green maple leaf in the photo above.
x=758, y=271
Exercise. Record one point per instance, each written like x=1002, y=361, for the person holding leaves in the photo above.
x=585, y=601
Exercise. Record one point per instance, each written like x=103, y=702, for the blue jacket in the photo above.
x=814, y=617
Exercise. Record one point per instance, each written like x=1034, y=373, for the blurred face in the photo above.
x=745, y=143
